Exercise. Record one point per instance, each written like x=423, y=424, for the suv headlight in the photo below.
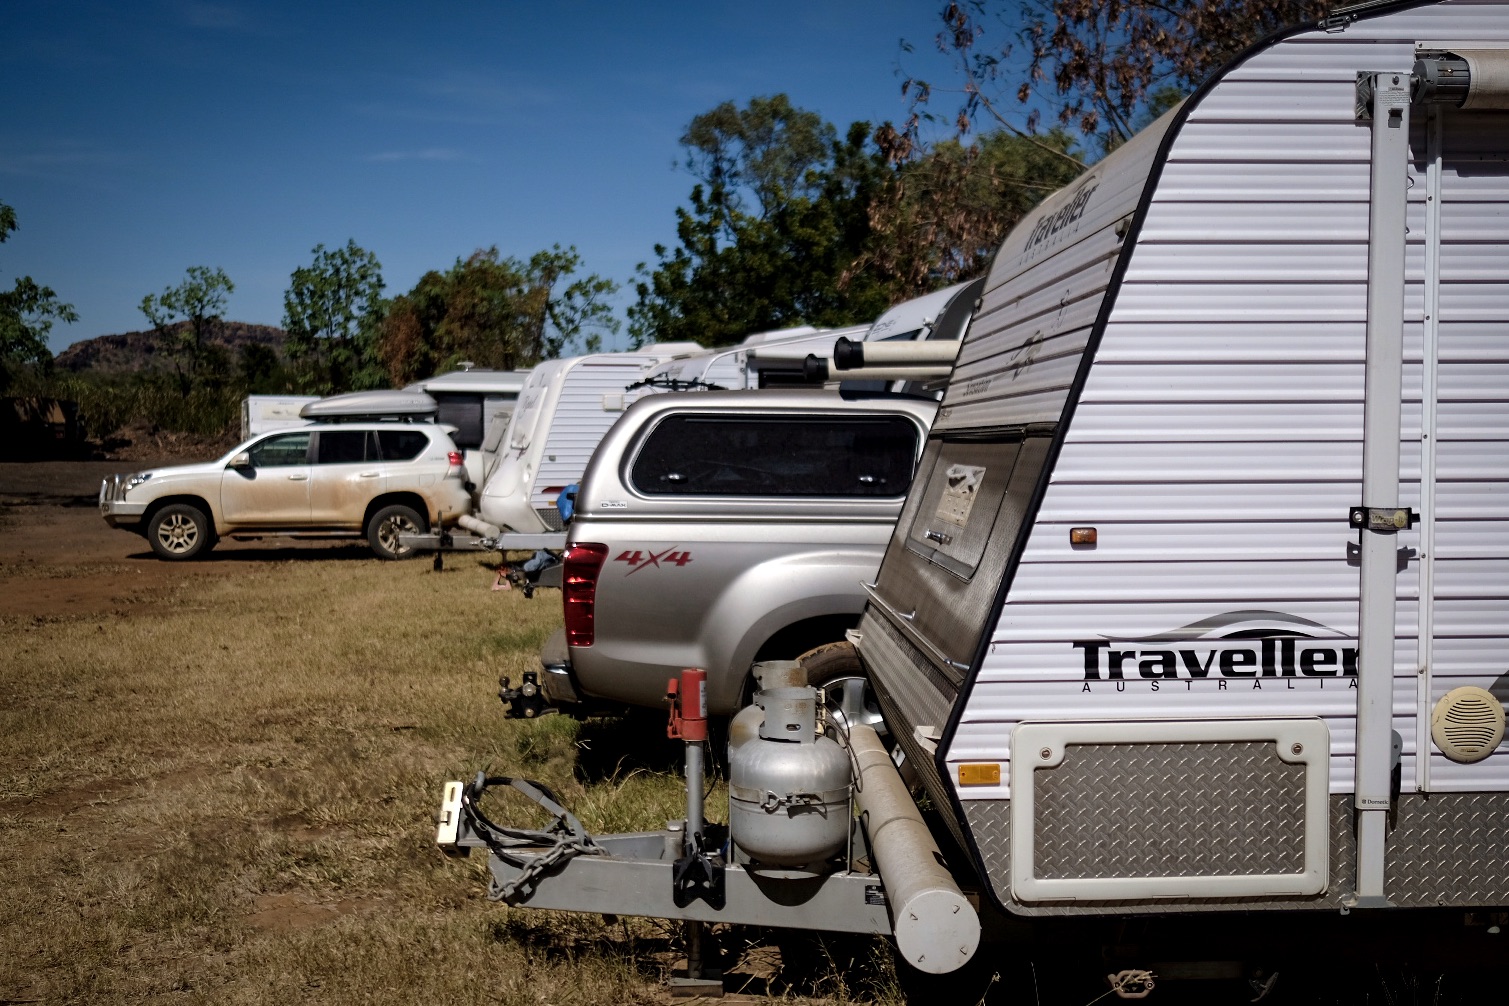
x=137, y=480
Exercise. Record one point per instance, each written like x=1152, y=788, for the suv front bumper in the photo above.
x=116, y=511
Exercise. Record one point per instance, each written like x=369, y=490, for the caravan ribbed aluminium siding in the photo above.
x=1216, y=268
x=1217, y=441
x=593, y=396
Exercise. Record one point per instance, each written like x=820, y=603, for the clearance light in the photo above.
x=980, y=774
x=1081, y=536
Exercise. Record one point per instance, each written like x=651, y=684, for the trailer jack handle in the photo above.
x=696, y=874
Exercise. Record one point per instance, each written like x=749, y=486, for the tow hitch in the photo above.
x=795, y=854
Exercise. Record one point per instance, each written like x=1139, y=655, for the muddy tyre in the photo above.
x=390, y=522
x=180, y=531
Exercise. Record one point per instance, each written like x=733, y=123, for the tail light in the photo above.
x=457, y=467
x=583, y=563
x=455, y=458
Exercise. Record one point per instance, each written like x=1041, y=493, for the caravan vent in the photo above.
x=1468, y=723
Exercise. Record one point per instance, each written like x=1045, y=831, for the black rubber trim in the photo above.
x=1334, y=22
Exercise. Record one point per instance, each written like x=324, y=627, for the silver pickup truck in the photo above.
x=718, y=529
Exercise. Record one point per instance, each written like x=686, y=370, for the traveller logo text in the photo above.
x=1238, y=644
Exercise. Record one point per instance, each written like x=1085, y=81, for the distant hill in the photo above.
x=133, y=352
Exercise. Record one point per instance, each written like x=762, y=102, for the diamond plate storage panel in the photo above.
x=1179, y=809
x=1157, y=810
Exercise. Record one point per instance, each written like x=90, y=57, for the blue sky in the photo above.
x=138, y=139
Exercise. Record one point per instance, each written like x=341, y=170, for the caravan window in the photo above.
x=715, y=455
x=969, y=483
x=465, y=413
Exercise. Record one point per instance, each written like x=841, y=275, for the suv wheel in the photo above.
x=832, y=666
x=390, y=522
x=180, y=531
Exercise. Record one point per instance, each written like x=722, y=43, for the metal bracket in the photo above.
x=1394, y=103
x=1383, y=520
x=698, y=876
x=774, y=802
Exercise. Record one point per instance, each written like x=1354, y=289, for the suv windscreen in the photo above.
x=281, y=450
x=401, y=445
x=344, y=447
x=718, y=455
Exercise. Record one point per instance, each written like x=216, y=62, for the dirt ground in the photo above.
x=58, y=557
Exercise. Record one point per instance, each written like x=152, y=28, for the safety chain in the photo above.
x=565, y=837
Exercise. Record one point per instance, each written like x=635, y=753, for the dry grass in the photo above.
x=228, y=798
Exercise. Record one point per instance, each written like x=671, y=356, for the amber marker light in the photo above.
x=980, y=774
x=1081, y=536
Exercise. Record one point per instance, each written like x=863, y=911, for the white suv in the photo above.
x=346, y=480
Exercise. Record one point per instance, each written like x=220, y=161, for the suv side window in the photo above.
x=344, y=447
x=281, y=450
x=723, y=455
x=401, y=445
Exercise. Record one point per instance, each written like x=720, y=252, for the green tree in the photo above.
x=27, y=313
x=768, y=152
x=259, y=370
x=331, y=311
x=497, y=312
x=778, y=216
x=187, y=318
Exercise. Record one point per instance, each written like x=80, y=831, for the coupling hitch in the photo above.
x=526, y=702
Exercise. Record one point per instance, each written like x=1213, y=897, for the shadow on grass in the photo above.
x=609, y=746
x=565, y=938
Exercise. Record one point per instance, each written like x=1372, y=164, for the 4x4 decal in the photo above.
x=638, y=559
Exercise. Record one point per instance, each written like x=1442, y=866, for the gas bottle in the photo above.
x=788, y=792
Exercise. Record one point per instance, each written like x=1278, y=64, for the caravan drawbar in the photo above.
x=1200, y=597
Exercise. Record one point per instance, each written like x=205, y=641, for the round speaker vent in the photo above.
x=1467, y=724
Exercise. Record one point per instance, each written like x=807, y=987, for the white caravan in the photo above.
x=780, y=358
x=265, y=413
x=1195, y=571
x=564, y=408
x=727, y=368
x=937, y=317
x=1196, y=614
